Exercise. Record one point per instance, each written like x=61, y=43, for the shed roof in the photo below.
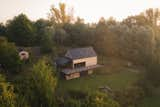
x=62, y=61
x=78, y=53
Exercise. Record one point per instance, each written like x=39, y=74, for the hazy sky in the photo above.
x=90, y=10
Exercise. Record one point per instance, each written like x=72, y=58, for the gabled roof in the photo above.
x=79, y=53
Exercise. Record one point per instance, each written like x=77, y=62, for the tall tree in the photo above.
x=60, y=15
x=45, y=32
x=38, y=86
x=2, y=30
x=9, y=58
x=152, y=15
x=44, y=82
x=41, y=26
x=21, y=30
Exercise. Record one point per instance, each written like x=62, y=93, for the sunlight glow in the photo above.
x=90, y=10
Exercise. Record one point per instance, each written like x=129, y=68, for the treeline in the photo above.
x=136, y=38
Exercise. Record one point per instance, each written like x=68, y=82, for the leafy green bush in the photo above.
x=38, y=86
x=7, y=96
x=9, y=58
x=130, y=97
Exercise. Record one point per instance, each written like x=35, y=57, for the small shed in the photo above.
x=77, y=61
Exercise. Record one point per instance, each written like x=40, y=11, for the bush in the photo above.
x=100, y=100
x=39, y=85
x=7, y=95
x=129, y=96
x=9, y=58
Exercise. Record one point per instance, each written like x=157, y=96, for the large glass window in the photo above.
x=78, y=65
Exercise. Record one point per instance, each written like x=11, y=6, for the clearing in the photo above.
x=116, y=74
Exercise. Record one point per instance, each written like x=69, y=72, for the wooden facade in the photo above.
x=82, y=61
x=72, y=76
x=88, y=61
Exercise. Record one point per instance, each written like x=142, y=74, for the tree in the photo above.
x=2, y=30
x=101, y=35
x=38, y=87
x=45, y=32
x=45, y=82
x=152, y=15
x=140, y=20
x=21, y=31
x=47, y=40
x=41, y=26
x=61, y=15
x=78, y=34
x=153, y=72
x=60, y=36
x=9, y=58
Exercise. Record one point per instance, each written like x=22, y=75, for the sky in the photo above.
x=89, y=10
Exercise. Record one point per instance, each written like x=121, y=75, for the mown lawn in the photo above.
x=116, y=81
x=151, y=102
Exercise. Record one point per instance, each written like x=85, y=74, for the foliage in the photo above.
x=38, y=87
x=2, y=30
x=72, y=103
x=136, y=39
x=21, y=31
x=47, y=41
x=44, y=35
x=77, y=98
x=7, y=96
x=130, y=97
x=153, y=73
x=61, y=15
x=60, y=36
x=9, y=58
x=100, y=100
x=44, y=83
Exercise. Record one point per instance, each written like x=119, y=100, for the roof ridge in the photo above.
x=84, y=52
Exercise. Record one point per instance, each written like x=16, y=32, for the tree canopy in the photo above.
x=21, y=31
x=9, y=58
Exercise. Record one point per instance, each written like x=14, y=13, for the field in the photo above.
x=115, y=81
x=114, y=75
x=153, y=101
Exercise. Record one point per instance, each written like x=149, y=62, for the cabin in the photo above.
x=77, y=62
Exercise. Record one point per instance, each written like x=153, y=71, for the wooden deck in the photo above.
x=70, y=71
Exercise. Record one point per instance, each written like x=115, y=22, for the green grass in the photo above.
x=151, y=102
x=116, y=80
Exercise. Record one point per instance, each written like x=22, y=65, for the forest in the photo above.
x=36, y=83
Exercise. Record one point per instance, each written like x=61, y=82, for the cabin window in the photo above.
x=78, y=65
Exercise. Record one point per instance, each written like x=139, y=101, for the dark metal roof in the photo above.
x=78, y=53
x=61, y=61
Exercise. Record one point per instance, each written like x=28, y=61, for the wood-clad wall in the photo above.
x=89, y=61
